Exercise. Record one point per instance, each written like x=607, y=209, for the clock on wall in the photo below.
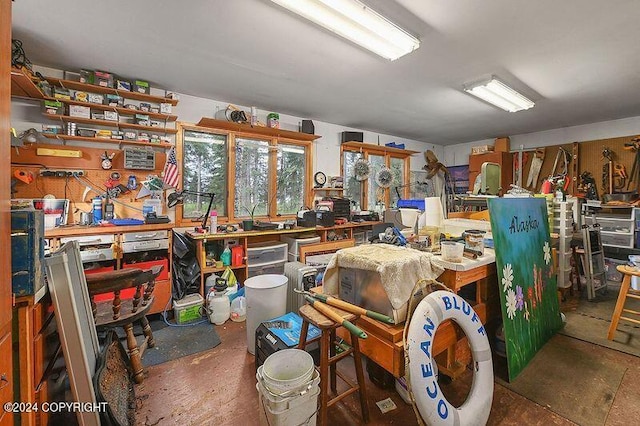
x=320, y=179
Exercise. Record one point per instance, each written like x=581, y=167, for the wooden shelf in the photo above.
x=112, y=124
x=22, y=86
x=92, y=88
x=328, y=189
x=247, y=128
x=212, y=269
x=119, y=110
x=104, y=140
x=356, y=146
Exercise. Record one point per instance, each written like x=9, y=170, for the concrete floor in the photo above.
x=217, y=387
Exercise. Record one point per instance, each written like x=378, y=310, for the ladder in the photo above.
x=594, y=270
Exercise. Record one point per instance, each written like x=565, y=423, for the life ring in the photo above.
x=430, y=402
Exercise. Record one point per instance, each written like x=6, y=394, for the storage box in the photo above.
x=54, y=129
x=141, y=86
x=481, y=149
x=365, y=289
x=111, y=115
x=144, y=106
x=104, y=134
x=103, y=78
x=165, y=108
x=114, y=100
x=188, y=309
x=27, y=249
x=79, y=111
x=502, y=144
x=53, y=107
x=80, y=96
x=95, y=98
x=123, y=85
x=86, y=133
x=87, y=76
x=141, y=119
x=117, y=134
x=130, y=135
x=61, y=93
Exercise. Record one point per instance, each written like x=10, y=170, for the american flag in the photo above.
x=171, y=172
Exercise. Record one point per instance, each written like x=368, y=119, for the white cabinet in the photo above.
x=617, y=225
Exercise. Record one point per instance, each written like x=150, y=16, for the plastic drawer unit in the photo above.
x=263, y=254
x=617, y=239
x=294, y=245
x=135, y=246
x=272, y=268
x=144, y=236
x=94, y=248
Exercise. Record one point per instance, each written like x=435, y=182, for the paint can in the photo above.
x=474, y=240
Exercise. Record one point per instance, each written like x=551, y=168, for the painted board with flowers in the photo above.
x=526, y=278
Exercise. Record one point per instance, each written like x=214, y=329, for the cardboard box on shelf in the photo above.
x=502, y=144
x=481, y=149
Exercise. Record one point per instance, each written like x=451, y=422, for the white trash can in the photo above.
x=266, y=299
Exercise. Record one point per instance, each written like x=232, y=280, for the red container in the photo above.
x=237, y=255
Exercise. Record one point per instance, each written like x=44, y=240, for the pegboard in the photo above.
x=70, y=187
x=589, y=159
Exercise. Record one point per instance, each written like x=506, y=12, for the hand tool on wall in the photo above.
x=328, y=312
x=520, y=158
x=607, y=169
x=534, y=170
x=587, y=186
x=346, y=306
x=620, y=176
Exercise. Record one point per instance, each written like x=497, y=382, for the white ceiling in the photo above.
x=579, y=60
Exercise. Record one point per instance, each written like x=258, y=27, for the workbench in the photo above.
x=384, y=344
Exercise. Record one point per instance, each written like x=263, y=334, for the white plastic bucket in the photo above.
x=266, y=299
x=296, y=408
x=287, y=370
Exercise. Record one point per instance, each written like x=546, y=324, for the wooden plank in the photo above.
x=22, y=86
x=458, y=279
x=325, y=247
x=212, y=123
x=104, y=140
x=92, y=88
x=376, y=149
x=25, y=339
x=119, y=110
x=108, y=123
x=73, y=231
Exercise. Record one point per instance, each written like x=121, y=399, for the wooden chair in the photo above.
x=124, y=313
x=328, y=360
x=628, y=272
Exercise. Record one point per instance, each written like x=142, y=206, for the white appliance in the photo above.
x=301, y=277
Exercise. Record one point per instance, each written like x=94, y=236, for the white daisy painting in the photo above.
x=547, y=252
x=507, y=277
x=511, y=303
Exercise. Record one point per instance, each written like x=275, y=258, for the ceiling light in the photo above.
x=499, y=94
x=354, y=21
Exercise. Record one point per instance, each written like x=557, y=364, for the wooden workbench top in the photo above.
x=77, y=230
x=220, y=235
x=487, y=258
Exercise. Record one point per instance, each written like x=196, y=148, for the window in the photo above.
x=367, y=193
x=291, y=178
x=204, y=160
x=259, y=173
x=252, y=178
x=352, y=186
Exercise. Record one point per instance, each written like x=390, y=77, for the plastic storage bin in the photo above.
x=617, y=239
x=294, y=245
x=188, y=309
x=266, y=253
x=273, y=268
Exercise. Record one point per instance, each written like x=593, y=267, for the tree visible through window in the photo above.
x=204, y=170
x=252, y=177
x=352, y=186
x=291, y=173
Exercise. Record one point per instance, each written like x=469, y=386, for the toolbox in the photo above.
x=27, y=252
x=284, y=333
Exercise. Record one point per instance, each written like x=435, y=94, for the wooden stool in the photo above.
x=328, y=360
x=627, y=271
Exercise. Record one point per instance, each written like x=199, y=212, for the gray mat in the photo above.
x=590, y=322
x=177, y=342
x=571, y=381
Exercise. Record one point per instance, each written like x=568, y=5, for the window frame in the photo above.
x=231, y=136
x=367, y=149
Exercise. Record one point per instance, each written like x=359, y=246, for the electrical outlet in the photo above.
x=61, y=173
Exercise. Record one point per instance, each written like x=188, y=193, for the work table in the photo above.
x=77, y=230
x=467, y=264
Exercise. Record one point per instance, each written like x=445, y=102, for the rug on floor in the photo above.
x=570, y=380
x=590, y=322
x=177, y=342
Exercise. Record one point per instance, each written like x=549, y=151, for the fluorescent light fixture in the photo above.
x=355, y=21
x=499, y=94
x=293, y=150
